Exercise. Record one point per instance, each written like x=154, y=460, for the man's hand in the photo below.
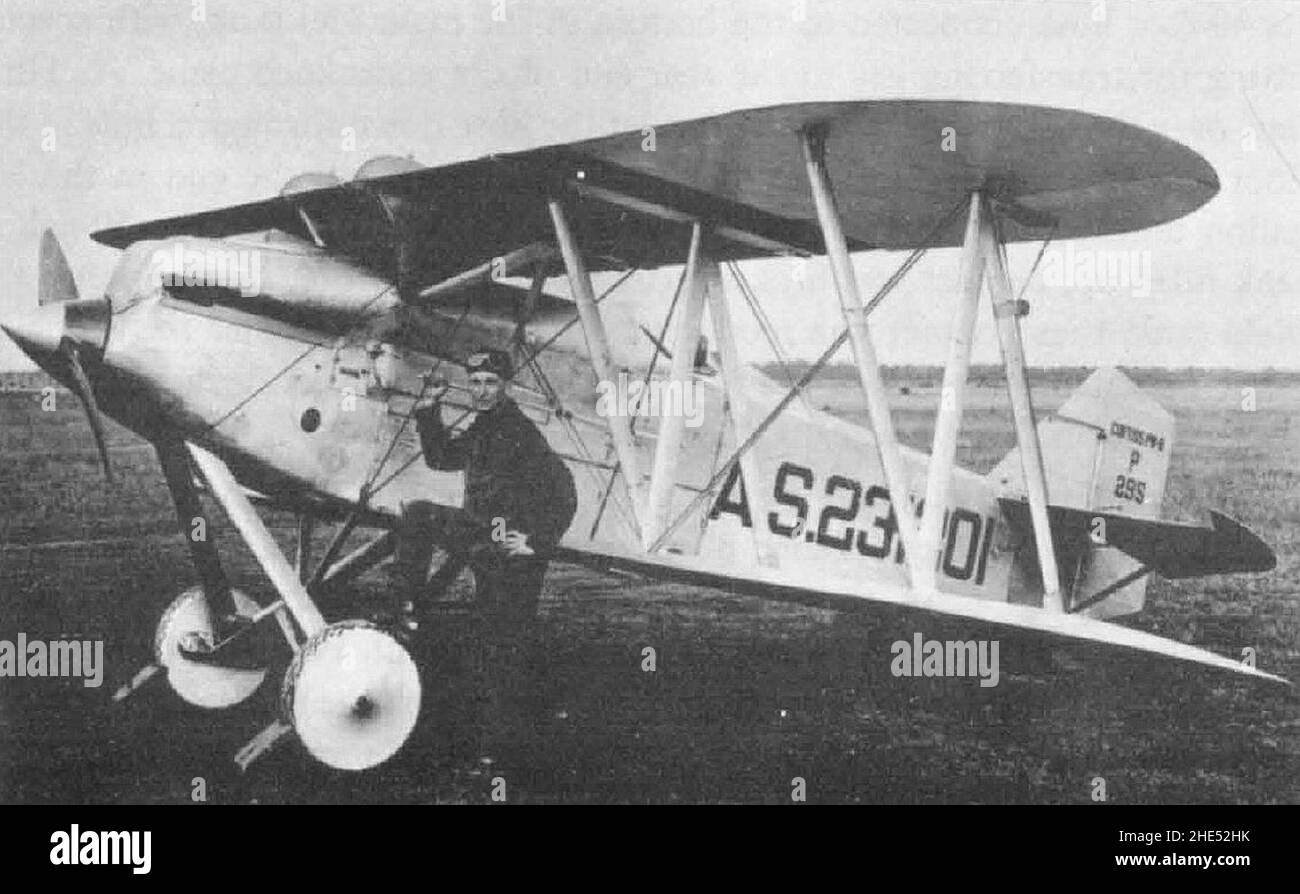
x=516, y=544
x=434, y=390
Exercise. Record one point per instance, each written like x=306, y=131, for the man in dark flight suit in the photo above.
x=519, y=501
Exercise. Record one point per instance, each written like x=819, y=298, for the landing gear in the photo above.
x=352, y=691
x=352, y=695
x=202, y=683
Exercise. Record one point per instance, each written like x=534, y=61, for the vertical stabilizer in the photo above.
x=1106, y=448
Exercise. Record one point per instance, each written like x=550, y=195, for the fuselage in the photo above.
x=300, y=371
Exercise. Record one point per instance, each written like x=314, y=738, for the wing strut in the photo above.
x=509, y=264
x=672, y=427
x=943, y=452
x=732, y=372
x=864, y=352
x=245, y=519
x=1007, y=312
x=593, y=327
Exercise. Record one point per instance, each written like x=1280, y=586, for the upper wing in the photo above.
x=899, y=167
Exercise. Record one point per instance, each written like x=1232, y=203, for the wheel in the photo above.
x=201, y=684
x=353, y=695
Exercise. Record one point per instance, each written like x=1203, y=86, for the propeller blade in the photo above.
x=56, y=283
x=69, y=350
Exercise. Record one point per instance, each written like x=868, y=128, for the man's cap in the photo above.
x=490, y=360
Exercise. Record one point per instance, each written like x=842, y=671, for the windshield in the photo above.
x=135, y=278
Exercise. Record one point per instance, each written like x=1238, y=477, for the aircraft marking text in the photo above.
x=858, y=519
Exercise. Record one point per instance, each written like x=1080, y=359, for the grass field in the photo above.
x=748, y=694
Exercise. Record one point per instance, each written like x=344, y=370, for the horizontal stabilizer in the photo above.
x=1169, y=549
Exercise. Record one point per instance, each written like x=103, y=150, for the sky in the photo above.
x=115, y=112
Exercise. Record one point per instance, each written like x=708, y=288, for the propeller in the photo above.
x=58, y=286
x=72, y=354
x=56, y=283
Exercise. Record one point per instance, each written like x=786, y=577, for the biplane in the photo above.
x=296, y=391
